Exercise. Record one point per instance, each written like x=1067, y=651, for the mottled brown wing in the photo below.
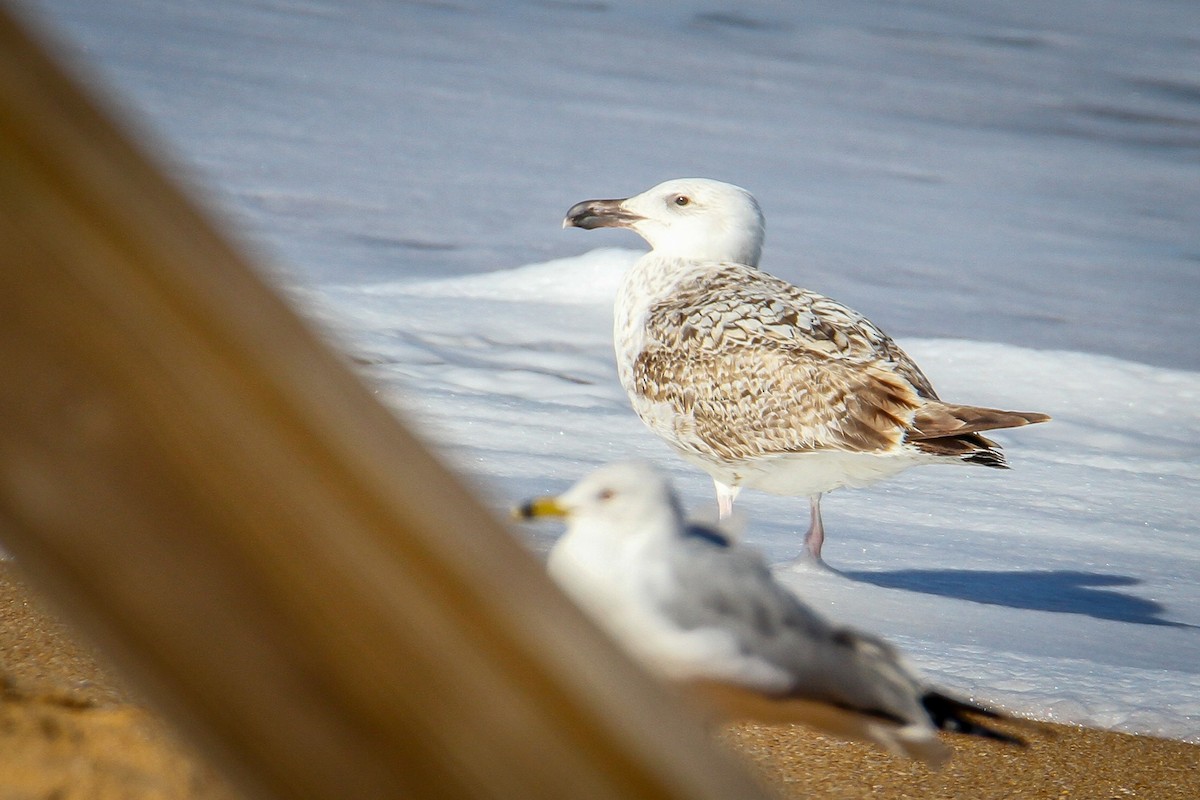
x=755, y=365
x=745, y=402
x=733, y=300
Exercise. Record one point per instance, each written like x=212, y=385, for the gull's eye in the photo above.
x=682, y=200
x=606, y=494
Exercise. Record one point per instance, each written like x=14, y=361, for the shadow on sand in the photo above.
x=1063, y=591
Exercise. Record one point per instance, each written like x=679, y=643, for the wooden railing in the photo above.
x=206, y=490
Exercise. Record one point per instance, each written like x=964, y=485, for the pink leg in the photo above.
x=725, y=498
x=816, y=530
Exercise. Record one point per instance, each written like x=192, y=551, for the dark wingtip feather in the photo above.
x=708, y=535
x=949, y=714
x=988, y=458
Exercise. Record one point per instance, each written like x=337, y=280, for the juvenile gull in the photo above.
x=706, y=614
x=758, y=382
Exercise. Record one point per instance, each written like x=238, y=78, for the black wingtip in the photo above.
x=991, y=457
x=949, y=714
x=708, y=535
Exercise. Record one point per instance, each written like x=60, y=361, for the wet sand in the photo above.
x=69, y=731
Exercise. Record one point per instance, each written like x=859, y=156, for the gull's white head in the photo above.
x=627, y=498
x=697, y=219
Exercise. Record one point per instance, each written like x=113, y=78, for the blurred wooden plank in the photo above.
x=209, y=493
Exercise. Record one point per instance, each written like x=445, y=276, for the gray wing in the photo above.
x=760, y=366
x=731, y=588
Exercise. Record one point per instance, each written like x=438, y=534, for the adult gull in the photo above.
x=761, y=383
x=706, y=614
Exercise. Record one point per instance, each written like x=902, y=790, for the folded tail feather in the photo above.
x=945, y=429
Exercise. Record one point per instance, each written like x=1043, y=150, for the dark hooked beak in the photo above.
x=599, y=214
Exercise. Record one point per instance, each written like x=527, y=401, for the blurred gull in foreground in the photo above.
x=706, y=613
x=758, y=382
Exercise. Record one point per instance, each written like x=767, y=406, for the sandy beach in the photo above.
x=69, y=730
